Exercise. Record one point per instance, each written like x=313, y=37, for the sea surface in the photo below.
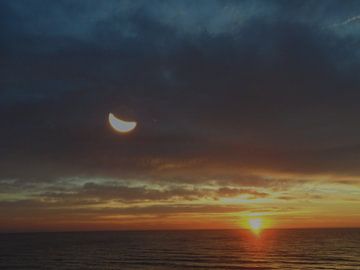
x=222, y=249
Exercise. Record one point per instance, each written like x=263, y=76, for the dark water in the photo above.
x=274, y=249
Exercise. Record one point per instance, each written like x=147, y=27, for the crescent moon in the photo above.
x=121, y=125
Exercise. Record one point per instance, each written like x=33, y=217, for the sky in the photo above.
x=244, y=109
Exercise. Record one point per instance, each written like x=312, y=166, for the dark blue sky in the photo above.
x=221, y=90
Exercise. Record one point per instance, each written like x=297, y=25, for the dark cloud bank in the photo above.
x=221, y=89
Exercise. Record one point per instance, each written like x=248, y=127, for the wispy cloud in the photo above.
x=351, y=20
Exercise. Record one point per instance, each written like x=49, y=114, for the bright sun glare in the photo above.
x=256, y=225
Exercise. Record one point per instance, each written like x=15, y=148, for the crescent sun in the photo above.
x=121, y=125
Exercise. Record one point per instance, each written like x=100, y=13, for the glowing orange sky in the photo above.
x=307, y=204
x=238, y=110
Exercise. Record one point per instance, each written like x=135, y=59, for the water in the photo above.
x=227, y=249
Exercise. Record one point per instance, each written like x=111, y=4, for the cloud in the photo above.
x=92, y=193
x=231, y=97
x=233, y=192
x=350, y=20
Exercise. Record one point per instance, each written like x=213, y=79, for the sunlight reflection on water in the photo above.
x=228, y=249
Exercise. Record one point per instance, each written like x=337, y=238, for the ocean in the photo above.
x=208, y=249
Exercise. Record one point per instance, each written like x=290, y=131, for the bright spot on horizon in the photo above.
x=255, y=225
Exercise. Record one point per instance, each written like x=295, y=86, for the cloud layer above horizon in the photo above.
x=243, y=107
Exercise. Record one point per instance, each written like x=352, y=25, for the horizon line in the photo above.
x=174, y=230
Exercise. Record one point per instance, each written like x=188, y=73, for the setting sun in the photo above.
x=256, y=225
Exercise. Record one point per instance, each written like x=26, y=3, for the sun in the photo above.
x=256, y=225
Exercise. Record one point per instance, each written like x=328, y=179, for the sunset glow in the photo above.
x=180, y=134
x=152, y=115
x=256, y=225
